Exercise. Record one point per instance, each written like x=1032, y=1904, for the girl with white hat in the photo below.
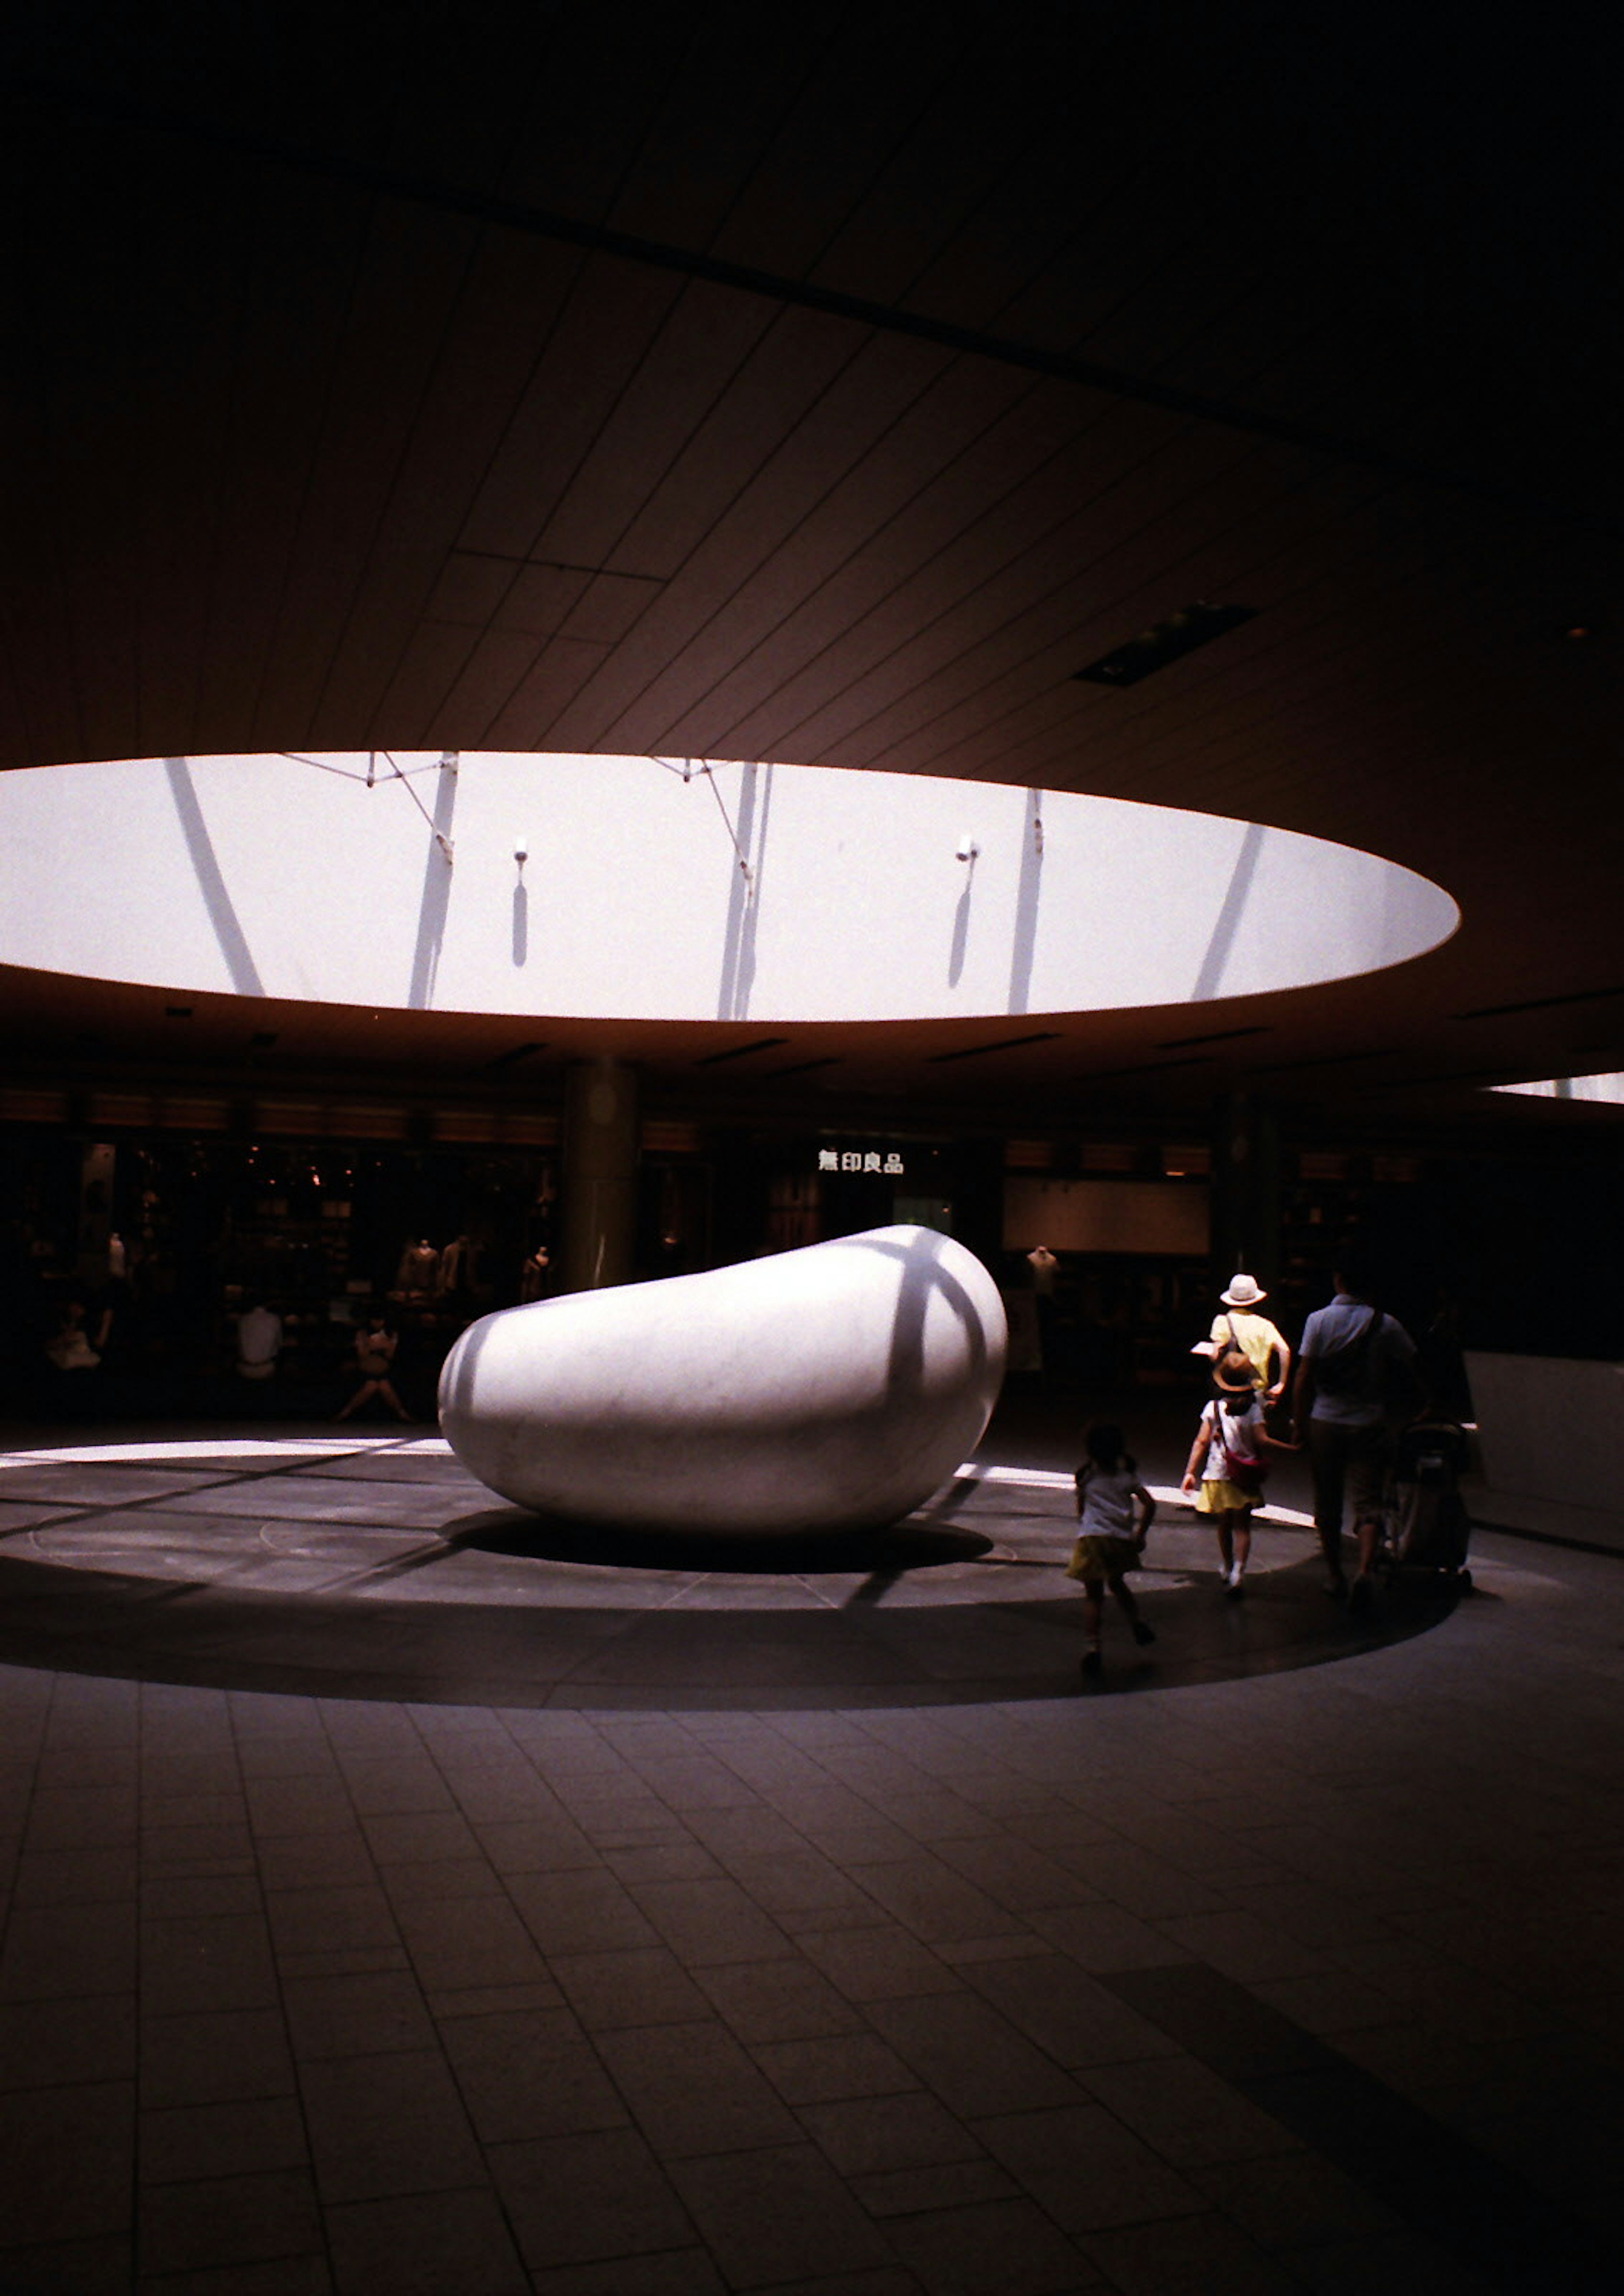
x=1253, y=1334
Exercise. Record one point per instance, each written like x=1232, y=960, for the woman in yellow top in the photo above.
x=1253, y=1335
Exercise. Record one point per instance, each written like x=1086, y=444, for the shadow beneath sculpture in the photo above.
x=889, y=1550
x=597, y=1635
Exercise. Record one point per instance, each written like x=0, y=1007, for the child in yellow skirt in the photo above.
x=1228, y=1453
x=1114, y=1512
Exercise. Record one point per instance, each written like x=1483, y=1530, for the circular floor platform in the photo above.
x=356, y=1565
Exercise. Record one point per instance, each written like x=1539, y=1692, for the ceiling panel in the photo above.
x=333, y=423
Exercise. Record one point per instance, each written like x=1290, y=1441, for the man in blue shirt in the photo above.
x=1356, y=1377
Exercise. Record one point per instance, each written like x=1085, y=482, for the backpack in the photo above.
x=1246, y=1474
x=1341, y=1369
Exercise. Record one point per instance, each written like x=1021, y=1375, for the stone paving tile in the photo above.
x=222, y=1962
x=589, y=2199
x=348, y=1919
x=1190, y=2256
x=169, y=1896
x=314, y=1803
x=1404, y=2262
x=1189, y=2116
x=1012, y=1872
x=1330, y=2002
x=69, y=2155
x=418, y=1837
x=711, y=1922
x=879, y=1963
x=227, y=2223
x=695, y=1781
x=387, y=2125
x=866, y=2136
x=75, y=2268
x=181, y=2143
x=1081, y=2164
x=991, y=2247
x=768, y=2215
x=832, y=2067
x=460, y=1942
x=735, y=1834
x=927, y=1814
x=947, y=2185
x=292, y=1753
x=1295, y=2200
x=579, y=1911
x=778, y=2000
x=81, y=1818
x=661, y=1861
x=349, y=1962
x=335, y=1859
x=225, y=1813
x=214, y=2057
x=425, y=2244
x=646, y=1986
x=693, y=2090
x=681, y=2272
x=887, y=2280
x=1149, y=1886
x=397, y=1785
x=1069, y=2015
x=516, y=1843
x=974, y=2059
x=832, y=1815
x=369, y=2015
x=66, y=1877
x=530, y=2073
x=938, y=1904
x=457, y=1878
x=495, y=2000
x=185, y=1849
x=1103, y=1936
x=1249, y=1950
x=802, y=1887
x=57, y=2042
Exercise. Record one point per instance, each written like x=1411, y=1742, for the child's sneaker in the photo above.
x=1233, y=1589
x=1143, y=1634
x=1091, y=1662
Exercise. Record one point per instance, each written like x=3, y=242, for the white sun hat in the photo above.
x=1244, y=1292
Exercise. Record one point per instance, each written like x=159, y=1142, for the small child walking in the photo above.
x=1229, y=1451
x=1114, y=1512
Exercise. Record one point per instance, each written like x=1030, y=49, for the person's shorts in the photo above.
x=1356, y=1459
x=1095, y=1557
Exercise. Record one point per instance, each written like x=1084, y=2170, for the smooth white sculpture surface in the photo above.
x=817, y=1390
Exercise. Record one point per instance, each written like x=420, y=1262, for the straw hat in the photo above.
x=1244, y=1292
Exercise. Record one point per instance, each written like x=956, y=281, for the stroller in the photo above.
x=1428, y=1526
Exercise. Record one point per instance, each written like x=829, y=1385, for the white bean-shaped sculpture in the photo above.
x=822, y=1390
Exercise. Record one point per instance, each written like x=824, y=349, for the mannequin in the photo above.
x=456, y=1265
x=418, y=1274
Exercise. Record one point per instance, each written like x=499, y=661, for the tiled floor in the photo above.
x=1287, y=1975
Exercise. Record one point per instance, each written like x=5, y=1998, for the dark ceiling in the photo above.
x=831, y=385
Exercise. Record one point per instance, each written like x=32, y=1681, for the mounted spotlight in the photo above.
x=966, y=850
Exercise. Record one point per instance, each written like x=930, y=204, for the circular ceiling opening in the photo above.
x=671, y=889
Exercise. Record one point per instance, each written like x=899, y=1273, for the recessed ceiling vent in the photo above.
x=739, y=1051
x=1153, y=649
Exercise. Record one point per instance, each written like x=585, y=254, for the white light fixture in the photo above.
x=967, y=848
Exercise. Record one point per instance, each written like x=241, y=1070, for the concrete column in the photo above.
x=1245, y=1189
x=598, y=1183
